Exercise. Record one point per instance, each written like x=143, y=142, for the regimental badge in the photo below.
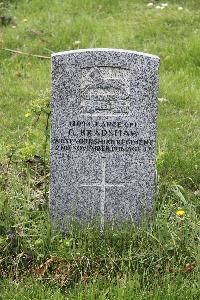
x=105, y=91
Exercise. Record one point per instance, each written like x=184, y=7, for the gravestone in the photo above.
x=104, y=108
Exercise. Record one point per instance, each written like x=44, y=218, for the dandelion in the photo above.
x=180, y=8
x=180, y=213
x=25, y=20
x=150, y=4
x=27, y=114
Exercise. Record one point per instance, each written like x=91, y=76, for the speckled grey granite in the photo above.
x=104, y=108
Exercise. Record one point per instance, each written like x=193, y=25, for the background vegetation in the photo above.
x=161, y=259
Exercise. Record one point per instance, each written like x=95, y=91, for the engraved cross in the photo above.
x=103, y=185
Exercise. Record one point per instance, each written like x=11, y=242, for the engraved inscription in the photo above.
x=105, y=91
x=105, y=137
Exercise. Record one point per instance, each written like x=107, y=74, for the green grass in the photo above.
x=160, y=260
x=122, y=289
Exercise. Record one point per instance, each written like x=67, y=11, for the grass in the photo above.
x=160, y=260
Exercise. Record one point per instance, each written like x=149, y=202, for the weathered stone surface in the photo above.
x=104, y=109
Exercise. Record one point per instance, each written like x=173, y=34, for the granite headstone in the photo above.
x=104, y=108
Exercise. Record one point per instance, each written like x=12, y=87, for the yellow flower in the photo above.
x=25, y=20
x=180, y=213
x=27, y=114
